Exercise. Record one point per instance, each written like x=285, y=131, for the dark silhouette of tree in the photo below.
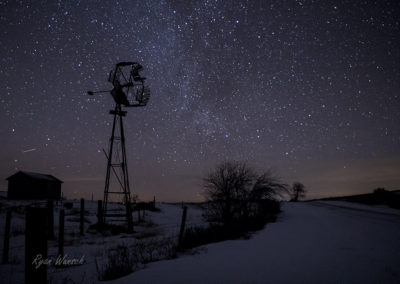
x=380, y=190
x=268, y=186
x=232, y=187
x=297, y=191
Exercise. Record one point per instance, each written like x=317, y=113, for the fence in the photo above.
x=70, y=228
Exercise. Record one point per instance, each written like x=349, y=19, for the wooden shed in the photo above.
x=29, y=185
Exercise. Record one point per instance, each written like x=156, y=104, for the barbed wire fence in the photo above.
x=147, y=233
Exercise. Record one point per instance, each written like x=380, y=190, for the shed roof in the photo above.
x=37, y=176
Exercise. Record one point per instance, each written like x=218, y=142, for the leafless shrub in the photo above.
x=123, y=259
x=232, y=189
x=155, y=249
x=120, y=261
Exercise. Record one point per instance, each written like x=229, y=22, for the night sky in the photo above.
x=308, y=88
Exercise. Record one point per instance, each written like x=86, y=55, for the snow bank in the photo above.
x=308, y=244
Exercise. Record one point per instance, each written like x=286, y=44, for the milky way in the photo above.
x=308, y=88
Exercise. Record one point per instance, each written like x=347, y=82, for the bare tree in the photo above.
x=232, y=186
x=268, y=186
x=225, y=185
x=297, y=191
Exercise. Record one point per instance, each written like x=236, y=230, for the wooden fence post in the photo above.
x=182, y=230
x=82, y=216
x=6, y=246
x=35, y=245
x=129, y=215
x=50, y=219
x=61, y=234
x=99, y=212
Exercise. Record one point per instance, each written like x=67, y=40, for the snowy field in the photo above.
x=310, y=243
x=313, y=242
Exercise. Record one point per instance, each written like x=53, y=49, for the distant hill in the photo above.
x=380, y=196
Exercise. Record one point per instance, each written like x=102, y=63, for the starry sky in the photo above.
x=307, y=88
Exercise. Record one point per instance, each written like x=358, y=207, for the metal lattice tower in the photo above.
x=117, y=165
x=129, y=90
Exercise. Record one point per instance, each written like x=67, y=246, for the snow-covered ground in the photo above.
x=383, y=209
x=313, y=242
x=310, y=243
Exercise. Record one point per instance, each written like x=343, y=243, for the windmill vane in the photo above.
x=129, y=87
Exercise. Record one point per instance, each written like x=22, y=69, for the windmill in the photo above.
x=128, y=90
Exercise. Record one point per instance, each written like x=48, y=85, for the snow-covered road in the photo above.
x=310, y=243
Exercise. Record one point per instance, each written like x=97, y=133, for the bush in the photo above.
x=155, y=249
x=123, y=259
x=240, y=228
x=120, y=262
x=383, y=196
x=233, y=188
x=380, y=191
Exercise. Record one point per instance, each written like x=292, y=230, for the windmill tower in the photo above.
x=128, y=91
